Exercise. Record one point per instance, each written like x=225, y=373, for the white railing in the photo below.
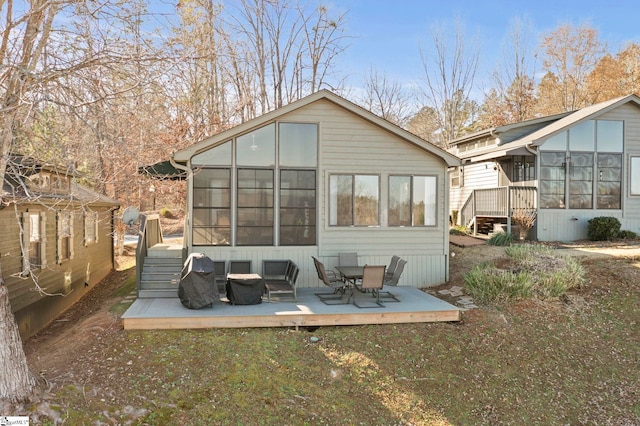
x=497, y=202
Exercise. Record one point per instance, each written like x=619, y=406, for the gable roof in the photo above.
x=20, y=168
x=507, y=127
x=184, y=155
x=538, y=137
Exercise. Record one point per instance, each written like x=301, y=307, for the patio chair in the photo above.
x=392, y=267
x=284, y=285
x=393, y=281
x=348, y=259
x=221, y=275
x=275, y=269
x=372, y=278
x=239, y=266
x=332, y=280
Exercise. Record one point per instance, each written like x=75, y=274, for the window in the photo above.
x=219, y=155
x=212, y=207
x=255, y=207
x=457, y=177
x=354, y=200
x=412, y=200
x=274, y=162
x=65, y=236
x=609, y=181
x=552, y=178
x=580, y=180
x=585, y=172
x=634, y=186
x=34, y=236
x=297, y=207
x=90, y=228
x=257, y=148
x=298, y=145
x=524, y=168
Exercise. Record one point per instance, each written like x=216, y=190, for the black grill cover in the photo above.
x=198, y=287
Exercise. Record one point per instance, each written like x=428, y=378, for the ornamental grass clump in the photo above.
x=525, y=219
x=501, y=239
x=533, y=271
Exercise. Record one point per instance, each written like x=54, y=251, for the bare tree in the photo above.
x=513, y=98
x=449, y=74
x=386, y=98
x=62, y=69
x=281, y=50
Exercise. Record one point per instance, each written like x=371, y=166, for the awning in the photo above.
x=163, y=170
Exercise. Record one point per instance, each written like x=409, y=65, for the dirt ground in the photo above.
x=73, y=344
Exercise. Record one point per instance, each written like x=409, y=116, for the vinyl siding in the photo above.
x=476, y=176
x=348, y=144
x=569, y=225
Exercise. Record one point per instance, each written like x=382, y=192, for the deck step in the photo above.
x=162, y=293
x=165, y=252
x=161, y=273
x=173, y=261
x=159, y=285
x=157, y=276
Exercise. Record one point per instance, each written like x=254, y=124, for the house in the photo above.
x=318, y=177
x=56, y=241
x=566, y=168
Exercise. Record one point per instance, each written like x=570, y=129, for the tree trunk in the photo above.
x=16, y=381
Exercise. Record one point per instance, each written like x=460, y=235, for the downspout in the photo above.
x=186, y=241
x=534, y=152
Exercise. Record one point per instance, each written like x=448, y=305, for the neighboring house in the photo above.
x=568, y=168
x=318, y=177
x=66, y=232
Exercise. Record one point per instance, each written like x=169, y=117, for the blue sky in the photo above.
x=388, y=34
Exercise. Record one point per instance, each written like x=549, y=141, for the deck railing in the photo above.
x=497, y=202
x=150, y=234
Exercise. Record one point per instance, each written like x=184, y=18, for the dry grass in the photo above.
x=570, y=361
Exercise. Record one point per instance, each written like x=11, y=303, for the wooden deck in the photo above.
x=308, y=310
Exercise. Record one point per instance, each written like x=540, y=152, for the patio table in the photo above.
x=245, y=289
x=351, y=274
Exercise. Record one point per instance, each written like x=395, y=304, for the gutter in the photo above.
x=530, y=149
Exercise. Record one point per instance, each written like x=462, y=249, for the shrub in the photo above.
x=525, y=219
x=534, y=272
x=501, y=239
x=165, y=212
x=627, y=235
x=454, y=217
x=488, y=284
x=603, y=228
x=458, y=230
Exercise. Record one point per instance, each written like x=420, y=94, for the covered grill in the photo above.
x=197, y=288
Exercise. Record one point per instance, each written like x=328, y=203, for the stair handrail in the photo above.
x=149, y=235
x=499, y=202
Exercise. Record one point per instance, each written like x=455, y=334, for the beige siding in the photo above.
x=65, y=282
x=567, y=225
x=350, y=144
x=476, y=176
